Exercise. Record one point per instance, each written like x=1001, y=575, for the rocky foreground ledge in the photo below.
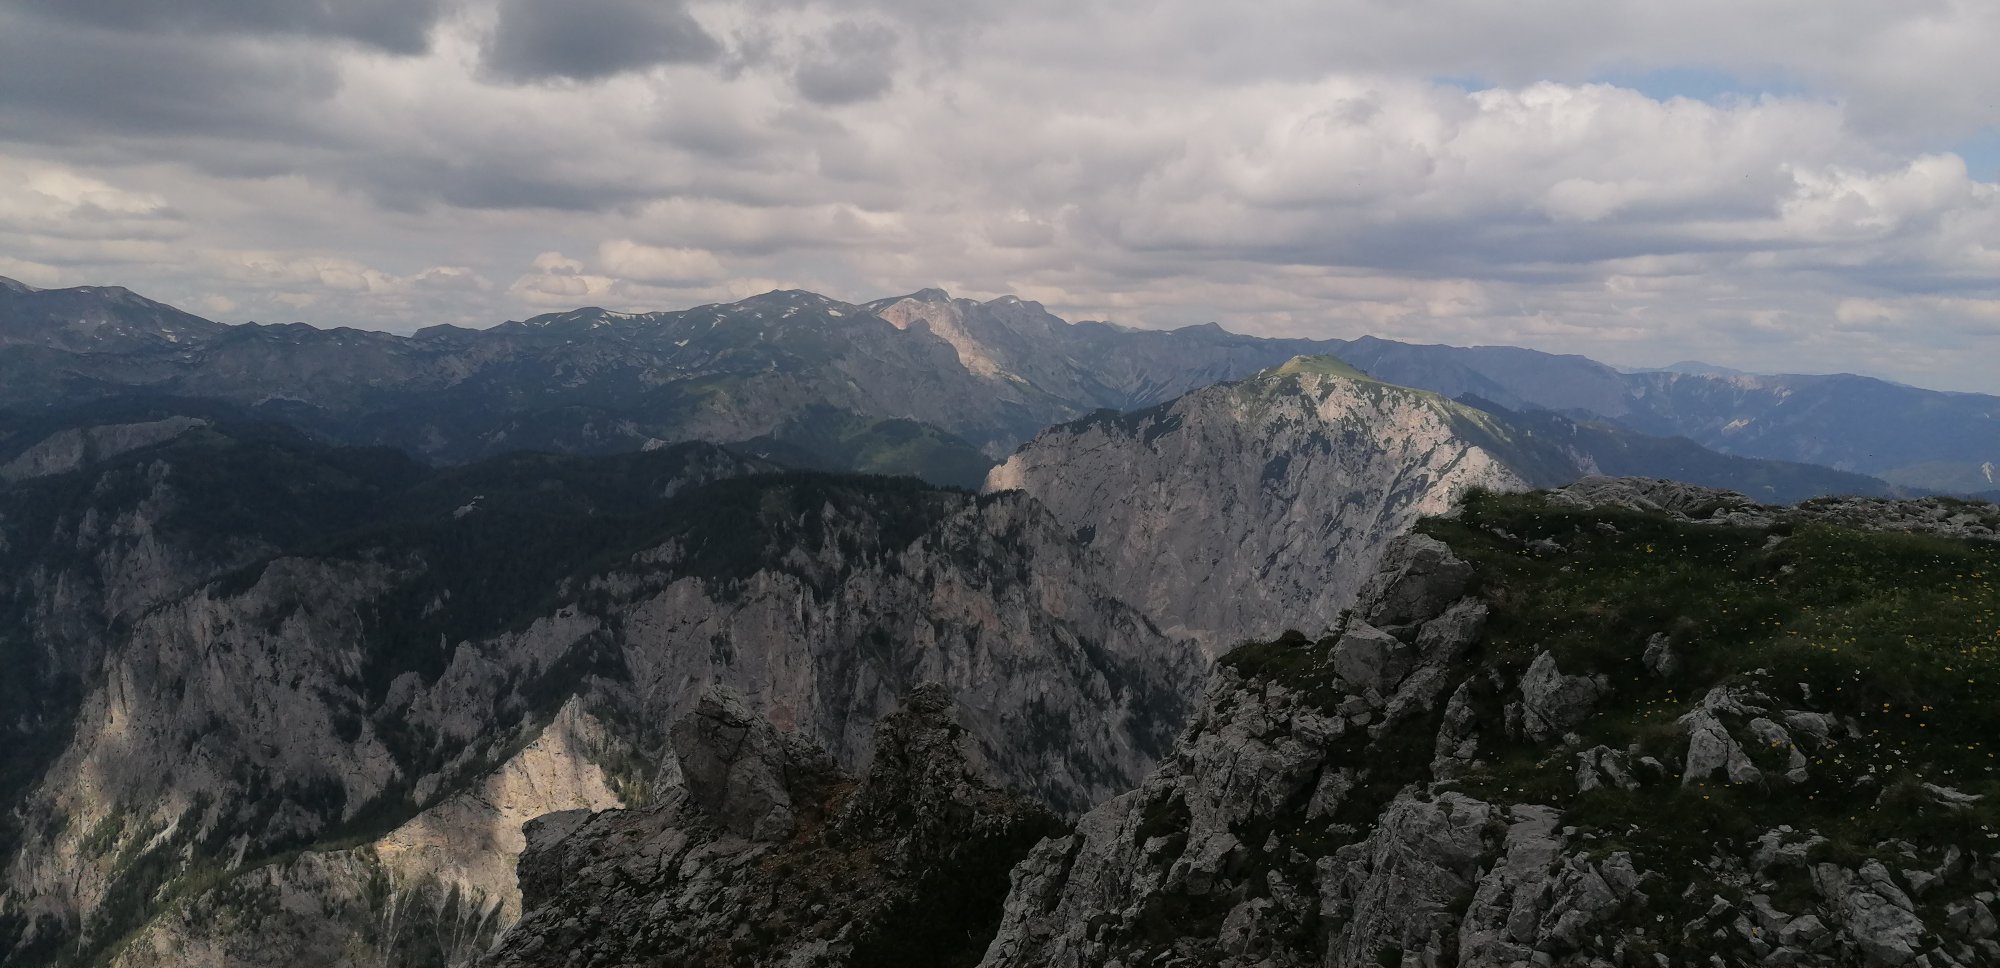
x=1627, y=723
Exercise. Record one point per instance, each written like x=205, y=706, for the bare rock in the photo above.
x=1552, y=703
x=1419, y=577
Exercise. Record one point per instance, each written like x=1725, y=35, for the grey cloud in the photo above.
x=64, y=83
x=587, y=40
x=853, y=63
x=415, y=184
x=398, y=26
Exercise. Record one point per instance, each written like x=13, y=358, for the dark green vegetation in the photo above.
x=1901, y=631
x=1896, y=635
x=823, y=438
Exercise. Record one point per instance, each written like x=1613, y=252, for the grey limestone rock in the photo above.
x=1242, y=510
x=910, y=857
x=1711, y=748
x=1371, y=661
x=1551, y=702
x=1659, y=657
x=1602, y=766
x=741, y=771
x=1394, y=891
x=1648, y=494
x=1419, y=577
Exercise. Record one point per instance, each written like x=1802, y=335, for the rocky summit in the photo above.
x=1239, y=509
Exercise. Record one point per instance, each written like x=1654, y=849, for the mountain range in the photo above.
x=923, y=384
x=933, y=631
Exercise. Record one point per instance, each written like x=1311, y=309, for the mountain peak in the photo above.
x=15, y=285
x=791, y=302
x=1320, y=366
x=786, y=297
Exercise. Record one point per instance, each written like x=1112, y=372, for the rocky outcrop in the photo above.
x=772, y=855
x=1239, y=511
x=1275, y=834
x=1526, y=806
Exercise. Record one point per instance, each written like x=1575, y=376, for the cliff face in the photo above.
x=498, y=642
x=1241, y=510
x=1631, y=723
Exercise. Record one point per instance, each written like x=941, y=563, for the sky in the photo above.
x=1779, y=186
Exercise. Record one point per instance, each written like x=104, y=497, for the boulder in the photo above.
x=1419, y=577
x=1552, y=703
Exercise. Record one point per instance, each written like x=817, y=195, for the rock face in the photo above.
x=487, y=644
x=1481, y=767
x=1240, y=511
x=69, y=449
x=772, y=855
x=1272, y=835
x=438, y=889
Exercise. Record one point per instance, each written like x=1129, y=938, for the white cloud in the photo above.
x=1293, y=166
x=656, y=264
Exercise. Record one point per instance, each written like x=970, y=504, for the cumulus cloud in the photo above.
x=651, y=263
x=1449, y=170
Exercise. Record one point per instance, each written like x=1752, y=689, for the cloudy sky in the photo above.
x=1800, y=185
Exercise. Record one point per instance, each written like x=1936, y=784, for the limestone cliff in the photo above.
x=332, y=747
x=1241, y=510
